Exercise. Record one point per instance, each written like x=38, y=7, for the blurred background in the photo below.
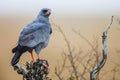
x=89, y=17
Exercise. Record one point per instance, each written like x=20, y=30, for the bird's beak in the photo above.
x=48, y=12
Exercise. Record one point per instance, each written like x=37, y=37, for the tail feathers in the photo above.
x=15, y=48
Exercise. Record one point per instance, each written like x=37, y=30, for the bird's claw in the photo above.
x=45, y=65
x=32, y=62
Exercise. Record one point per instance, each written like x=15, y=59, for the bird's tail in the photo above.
x=15, y=48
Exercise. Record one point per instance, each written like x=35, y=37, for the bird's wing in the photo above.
x=34, y=34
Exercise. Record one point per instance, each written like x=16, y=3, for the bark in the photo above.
x=104, y=52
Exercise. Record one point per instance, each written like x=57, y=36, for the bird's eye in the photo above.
x=45, y=11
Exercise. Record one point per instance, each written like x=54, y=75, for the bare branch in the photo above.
x=98, y=68
x=58, y=74
x=87, y=40
x=70, y=56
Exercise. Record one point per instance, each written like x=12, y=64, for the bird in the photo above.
x=34, y=36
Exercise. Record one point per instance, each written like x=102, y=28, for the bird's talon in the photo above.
x=45, y=65
x=32, y=62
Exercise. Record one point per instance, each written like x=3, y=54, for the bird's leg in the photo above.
x=31, y=52
x=38, y=56
x=41, y=59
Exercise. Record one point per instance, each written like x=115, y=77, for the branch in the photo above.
x=104, y=52
x=70, y=51
x=58, y=71
x=87, y=40
x=58, y=74
x=34, y=71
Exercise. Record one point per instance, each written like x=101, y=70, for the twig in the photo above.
x=87, y=40
x=58, y=72
x=70, y=51
x=104, y=52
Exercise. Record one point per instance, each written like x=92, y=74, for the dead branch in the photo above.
x=70, y=56
x=94, y=48
x=58, y=74
x=104, y=52
x=76, y=59
x=60, y=71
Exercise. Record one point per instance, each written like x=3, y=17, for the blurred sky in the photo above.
x=12, y=7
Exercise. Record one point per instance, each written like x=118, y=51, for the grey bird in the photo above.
x=34, y=36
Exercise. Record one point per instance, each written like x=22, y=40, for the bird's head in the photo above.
x=45, y=12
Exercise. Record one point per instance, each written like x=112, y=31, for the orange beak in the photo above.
x=48, y=12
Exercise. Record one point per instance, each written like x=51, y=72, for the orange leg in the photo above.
x=40, y=59
x=38, y=56
x=32, y=56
